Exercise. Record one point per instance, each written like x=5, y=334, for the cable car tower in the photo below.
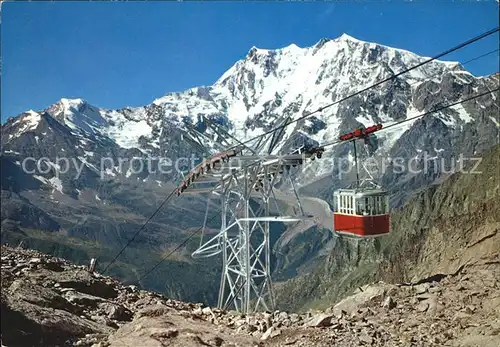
x=243, y=177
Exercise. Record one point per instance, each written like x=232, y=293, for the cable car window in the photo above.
x=368, y=206
x=361, y=206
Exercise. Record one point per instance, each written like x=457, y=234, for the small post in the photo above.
x=92, y=265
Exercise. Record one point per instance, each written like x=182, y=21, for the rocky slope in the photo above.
x=46, y=301
x=95, y=201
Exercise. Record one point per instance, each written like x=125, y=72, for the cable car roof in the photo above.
x=360, y=192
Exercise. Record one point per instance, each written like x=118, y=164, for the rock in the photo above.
x=282, y=315
x=207, y=311
x=172, y=329
x=295, y=318
x=389, y=303
x=104, y=320
x=369, y=294
x=270, y=333
x=256, y=333
x=433, y=306
x=251, y=328
x=24, y=323
x=365, y=339
x=82, y=299
x=470, y=309
x=131, y=288
x=216, y=341
x=165, y=334
x=25, y=290
x=154, y=311
x=321, y=320
x=425, y=296
x=83, y=282
x=240, y=322
x=422, y=288
x=435, y=290
x=422, y=306
x=290, y=341
x=118, y=312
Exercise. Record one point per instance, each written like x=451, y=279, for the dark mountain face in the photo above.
x=96, y=174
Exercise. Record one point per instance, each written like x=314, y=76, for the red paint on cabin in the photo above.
x=361, y=225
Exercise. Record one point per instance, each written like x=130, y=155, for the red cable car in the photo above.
x=361, y=213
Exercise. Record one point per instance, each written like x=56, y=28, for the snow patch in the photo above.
x=78, y=115
x=495, y=121
x=29, y=121
x=84, y=161
x=11, y=152
x=126, y=133
x=109, y=172
x=463, y=114
x=56, y=183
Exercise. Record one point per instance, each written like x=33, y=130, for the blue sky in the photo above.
x=116, y=54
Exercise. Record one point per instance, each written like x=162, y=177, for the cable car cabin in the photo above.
x=361, y=212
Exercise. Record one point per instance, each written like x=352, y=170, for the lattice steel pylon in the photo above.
x=245, y=183
x=244, y=237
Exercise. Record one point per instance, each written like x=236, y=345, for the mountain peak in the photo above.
x=290, y=48
x=72, y=103
x=254, y=50
x=346, y=37
x=77, y=114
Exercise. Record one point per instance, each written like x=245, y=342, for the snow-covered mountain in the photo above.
x=265, y=88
